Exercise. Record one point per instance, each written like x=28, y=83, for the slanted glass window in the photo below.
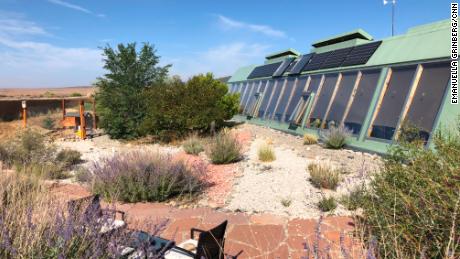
x=299, y=110
x=428, y=97
x=341, y=98
x=254, y=100
x=253, y=89
x=296, y=95
x=265, y=98
x=323, y=100
x=275, y=96
x=385, y=123
x=249, y=89
x=284, y=98
x=362, y=100
x=243, y=92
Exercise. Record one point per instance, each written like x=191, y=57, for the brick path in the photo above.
x=257, y=236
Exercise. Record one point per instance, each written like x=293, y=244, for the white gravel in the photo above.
x=263, y=187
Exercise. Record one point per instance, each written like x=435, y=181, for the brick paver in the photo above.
x=257, y=236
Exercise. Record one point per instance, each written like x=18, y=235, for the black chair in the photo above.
x=210, y=243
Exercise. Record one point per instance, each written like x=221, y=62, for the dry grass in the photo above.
x=309, y=139
x=266, y=153
x=323, y=176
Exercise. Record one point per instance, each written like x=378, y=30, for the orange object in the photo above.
x=82, y=120
x=24, y=117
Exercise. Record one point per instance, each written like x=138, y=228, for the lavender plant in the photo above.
x=34, y=225
x=142, y=176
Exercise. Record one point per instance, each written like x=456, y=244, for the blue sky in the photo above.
x=51, y=43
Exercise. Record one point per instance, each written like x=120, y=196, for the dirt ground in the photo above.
x=6, y=93
x=256, y=187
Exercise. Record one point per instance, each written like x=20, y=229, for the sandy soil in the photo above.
x=264, y=187
x=37, y=92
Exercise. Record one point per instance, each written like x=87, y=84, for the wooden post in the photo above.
x=379, y=102
x=24, y=114
x=336, y=89
x=315, y=100
x=63, y=108
x=94, y=114
x=410, y=97
x=82, y=120
x=352, y=97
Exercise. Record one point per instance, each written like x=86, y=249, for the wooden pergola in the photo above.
x=81, y=101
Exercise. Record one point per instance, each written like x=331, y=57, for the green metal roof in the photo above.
x=283, y=53
x=242, y=73
x=356, y=34
x=424, y=42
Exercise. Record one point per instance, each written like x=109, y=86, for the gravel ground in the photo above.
x=264, y=187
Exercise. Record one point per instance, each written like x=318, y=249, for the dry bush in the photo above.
x=35, y=224
x=323, y=176
x=309, y=139
x=412, y=207
x=29, y=153
x=224, y=148
x=336, y=137
x=193, y=145
x=266, y=153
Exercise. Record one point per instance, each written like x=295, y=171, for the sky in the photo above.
x=57, y=43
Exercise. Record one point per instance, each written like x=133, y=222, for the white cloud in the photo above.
x=75, y=7
x=32, y=63
x=264, y=29
x=222, y=60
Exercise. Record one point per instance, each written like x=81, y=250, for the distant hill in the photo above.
x=6, y=93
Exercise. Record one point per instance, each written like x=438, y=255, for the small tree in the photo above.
x=175, y=107
x=121, y=101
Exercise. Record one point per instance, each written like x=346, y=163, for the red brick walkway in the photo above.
x=257, y=236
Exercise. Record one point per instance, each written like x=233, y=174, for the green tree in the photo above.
x=177, y=107
x=120, y=97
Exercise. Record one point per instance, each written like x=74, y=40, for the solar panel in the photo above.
x=361, y=54
x=317, y=61
x=336, y=58
x=264, y=70
x=293, y=63
x=283, y=67
x=297, y=68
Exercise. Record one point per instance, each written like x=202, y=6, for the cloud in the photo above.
x=44, y=64
x=14, y=24
x=75, y=7
x=222, y=60
x=264, y=29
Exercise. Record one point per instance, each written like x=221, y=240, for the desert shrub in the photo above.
x=68, y=157
x=121, y=92
x=35, y=225
x=316, y=123
x=336, y=137
x=224, y=148
x=48, y=123
x=177, y=108
x=75, y=94
x=309, y=139
x=266, y=153
x=193, y=145
x=286, y=202
x=29, y=153
x=355, y=199
x=141, y=176
x=323, y=176
x=412, y=207
x=327, y=204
